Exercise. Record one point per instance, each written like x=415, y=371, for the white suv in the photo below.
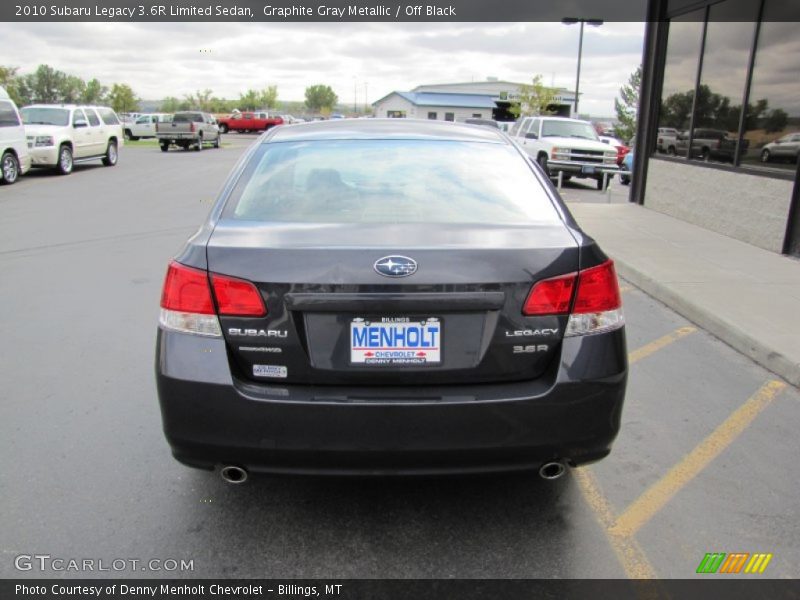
x=569, y=146
x=14, y=157
x=60, y=135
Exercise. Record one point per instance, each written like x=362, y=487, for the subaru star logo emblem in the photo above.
x=395, y=266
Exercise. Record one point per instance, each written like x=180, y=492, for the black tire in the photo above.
x=671, y=151
x=542, y=160
x=184, y=145
x=9, y=168
x=112, y=154
x=216, y=142
x=600, y=186
x=127, y=135
x=705, y=154
x=223, y=128
x=765, y=156
x=65, y=162
x=624, y=180
x=164, y=147
x=199, y=144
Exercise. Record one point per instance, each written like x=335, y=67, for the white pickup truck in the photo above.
x=569, y=146
x=144, y=126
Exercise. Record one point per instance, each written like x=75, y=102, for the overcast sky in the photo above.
x=174, y=59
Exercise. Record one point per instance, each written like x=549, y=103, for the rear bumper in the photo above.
x=572, y=414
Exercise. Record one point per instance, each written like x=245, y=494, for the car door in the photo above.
x=97, y=133
x=81, y=134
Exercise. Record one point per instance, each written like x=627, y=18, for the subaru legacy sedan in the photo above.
x=381, y=297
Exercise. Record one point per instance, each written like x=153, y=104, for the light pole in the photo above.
x=572, y=21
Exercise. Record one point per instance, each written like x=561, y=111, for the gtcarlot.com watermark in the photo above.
x=48, y=563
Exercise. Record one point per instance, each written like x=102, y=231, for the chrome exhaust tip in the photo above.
x=552, y=470
x=233, y=474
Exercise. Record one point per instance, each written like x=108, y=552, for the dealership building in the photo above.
x=490, y=99
x=719, y=119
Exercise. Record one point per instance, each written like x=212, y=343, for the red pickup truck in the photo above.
x=248, y=121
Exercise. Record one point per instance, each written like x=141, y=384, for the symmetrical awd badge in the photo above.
x=395, y=266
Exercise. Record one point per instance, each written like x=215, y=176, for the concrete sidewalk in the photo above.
x=746, y=296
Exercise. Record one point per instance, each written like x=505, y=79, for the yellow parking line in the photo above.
x=660, y=343
x=627, y=549
x=661, y=492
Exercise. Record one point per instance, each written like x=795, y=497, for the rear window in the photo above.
x=109, y=116
x=45, y=116
x=187, y=118
x=8, y=116
x=390, y=181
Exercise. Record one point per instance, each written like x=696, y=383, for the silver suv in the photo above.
x=60, y=135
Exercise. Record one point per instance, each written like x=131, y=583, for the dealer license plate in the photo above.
x=588, y=170
x=395, y=341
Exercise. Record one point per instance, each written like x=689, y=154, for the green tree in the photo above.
x=123, y=99
x=71, y=89
x=320, y=98
x=776, y=120
x=15, y=85
x=627, y=106
x=268, y=98
x=45, y=84
x=248, y=101
x=94, y=93
x=170, y=104
x=534, y=99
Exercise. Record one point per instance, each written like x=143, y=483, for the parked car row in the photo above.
x=55, y=136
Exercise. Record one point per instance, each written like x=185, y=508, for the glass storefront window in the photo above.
x=680, y=75
x=772, y=126
x=718, y=106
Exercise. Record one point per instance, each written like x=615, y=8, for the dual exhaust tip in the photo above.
x=552, y=470
x=236, y=475
x=233, y=474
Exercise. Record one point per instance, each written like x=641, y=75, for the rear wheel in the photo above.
x=223, y=128
x=671, y=151
x=199, y=145
x=765, y=156
x=111, y=157
x=65, y=162
x=164, y=147
x=10, y=168
x=705, y=154
x=216, y=142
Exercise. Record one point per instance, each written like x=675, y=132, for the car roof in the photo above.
x=422, y=129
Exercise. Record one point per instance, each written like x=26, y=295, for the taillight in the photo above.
x=237, y=297
x=186, y=303
x=597, y=289
x=550, y=296
x=186, y=289
x=596, y=306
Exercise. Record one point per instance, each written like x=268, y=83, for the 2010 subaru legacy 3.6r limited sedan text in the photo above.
x=389, y=297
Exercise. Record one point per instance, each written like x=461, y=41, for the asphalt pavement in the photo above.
x=705, y=461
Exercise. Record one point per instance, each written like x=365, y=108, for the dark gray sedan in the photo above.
x=389, y=297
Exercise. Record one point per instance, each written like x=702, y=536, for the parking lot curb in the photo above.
x=728, y=332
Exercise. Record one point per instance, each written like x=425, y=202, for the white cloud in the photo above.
x=165, y=59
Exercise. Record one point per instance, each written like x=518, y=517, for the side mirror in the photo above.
x=80, y=123
x=531, y=136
